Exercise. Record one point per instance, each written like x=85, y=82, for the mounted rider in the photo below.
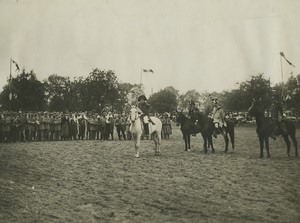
x=218, y=116
x=144, y=107
x=277, y=115
x=191, y=114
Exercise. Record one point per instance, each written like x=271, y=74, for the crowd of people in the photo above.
x=53, y=126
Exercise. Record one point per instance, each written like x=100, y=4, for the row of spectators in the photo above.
x=45, y=126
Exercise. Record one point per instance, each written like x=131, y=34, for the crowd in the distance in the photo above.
x=55, y=126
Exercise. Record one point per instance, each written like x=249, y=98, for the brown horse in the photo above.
x=265, y=127
x=204, y=126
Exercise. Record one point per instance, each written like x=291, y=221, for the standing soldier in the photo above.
x=23, y=127
x=73, y=127
x=93, y=127
x=46, y=126
x=166, y=126
x=51, y=124
x=120, y=125
x=82, y=126
x=128, y=125
x=57, y=127
x=41, y=127
x=6, y=128
x=65, y=132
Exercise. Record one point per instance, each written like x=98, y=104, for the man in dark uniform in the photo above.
x=144, y=106
x=277, y=116
x=191, y=114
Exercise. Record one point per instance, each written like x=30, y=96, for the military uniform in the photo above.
x=218, y=116
x=145, y=109
x=277, y=117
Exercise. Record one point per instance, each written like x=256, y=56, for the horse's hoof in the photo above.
x=137, y=155
x=189, y=150
x=213, y=151
x=261, y=156
x=268, y=156
x=296, y=154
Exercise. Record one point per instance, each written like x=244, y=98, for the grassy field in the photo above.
x=95, y=181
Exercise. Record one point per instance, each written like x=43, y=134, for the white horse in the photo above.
x=137, y=130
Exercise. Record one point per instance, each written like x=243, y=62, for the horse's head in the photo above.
x=256, y=108
x=134, y=114
x=180, y=117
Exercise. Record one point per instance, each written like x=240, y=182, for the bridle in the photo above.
x=136, y=116
x=254, y=109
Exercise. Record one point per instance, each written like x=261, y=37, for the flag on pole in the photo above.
x=282, y=54
x=17, y=66
x=149, y=70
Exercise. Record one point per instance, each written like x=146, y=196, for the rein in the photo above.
x=136, y=116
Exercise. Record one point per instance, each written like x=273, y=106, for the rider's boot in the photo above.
x=146, y=129
x=216, y=132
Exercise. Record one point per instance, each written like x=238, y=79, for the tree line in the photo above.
x=101, y=88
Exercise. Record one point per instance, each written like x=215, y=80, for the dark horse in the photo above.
x=228, y=130
x=265, y=126
x=204, y=126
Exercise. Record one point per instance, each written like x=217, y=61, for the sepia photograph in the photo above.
x=150, y=111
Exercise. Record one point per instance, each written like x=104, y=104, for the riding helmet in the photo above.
x=142, y=97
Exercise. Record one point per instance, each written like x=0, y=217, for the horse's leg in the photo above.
x=189, y=142
x=185, y=141
x=231, y=135
x=267, y=147
x=226, y=141
x=293, y=137
x=154, y=138
x=158, y=143
x=288, y=143
x=204, y=142
x=210, y=141
x=261, y=145
x=137, y=139
x=205, y=146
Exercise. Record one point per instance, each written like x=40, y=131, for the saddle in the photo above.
x=147, y=126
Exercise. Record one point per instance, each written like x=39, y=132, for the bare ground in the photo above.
x=93, y=181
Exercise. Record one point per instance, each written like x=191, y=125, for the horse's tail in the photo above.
x=230, y=126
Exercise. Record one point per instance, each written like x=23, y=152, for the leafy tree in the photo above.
x=100, y=90
x=128, y=95
x=134, y=92
x=235, y=100
x=292, y=93
x=164, y=101
x=27, y=93
x=57, y=88
x=258, y=87
x=184, y=99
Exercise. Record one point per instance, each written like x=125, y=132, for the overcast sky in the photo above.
x=189, y=44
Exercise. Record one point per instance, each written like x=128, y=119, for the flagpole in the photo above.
x=281, y=77
x=10, y=70
x=141, y=76
x=9, y=84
